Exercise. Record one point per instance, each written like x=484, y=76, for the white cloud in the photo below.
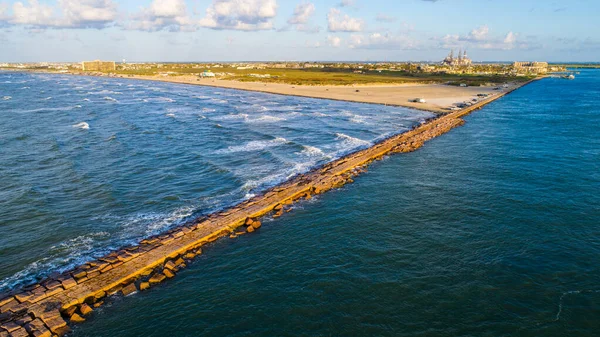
x=339, y=22
x=34, y=14
x=302, y=13
x=479, y=34
x=510, y=38
x=168, y=8
x=386, y=41
x=334, y=41
x=88, y=13
x=74, y=14
x=163, y=14
x=240, y=14
x=480, y=38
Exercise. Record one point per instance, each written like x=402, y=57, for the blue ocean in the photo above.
x=490, y=230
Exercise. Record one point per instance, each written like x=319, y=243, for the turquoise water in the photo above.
x=490, y=230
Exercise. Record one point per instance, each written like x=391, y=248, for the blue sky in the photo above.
x=288, y=30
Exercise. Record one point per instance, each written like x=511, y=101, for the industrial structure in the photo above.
x=98, y=65
x=461, y=60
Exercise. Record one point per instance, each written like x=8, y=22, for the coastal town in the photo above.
x=460, y=64
x=454, y=83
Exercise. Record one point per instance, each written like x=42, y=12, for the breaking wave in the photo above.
x=255, y=145
x=82, y=125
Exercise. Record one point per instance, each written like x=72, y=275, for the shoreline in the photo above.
x=44, y=308
x=440, y=98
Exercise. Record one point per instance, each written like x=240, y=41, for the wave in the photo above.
x=358, y=119
x=311, y=151
x=255, y=145
x=48, y=98
x=172, y=115
x=266, y=119
x=108, y=98
x=82, y=125
x=60, y=257
x=233, y=117
x=349, y=143
x=6, y=98
x=104, y=92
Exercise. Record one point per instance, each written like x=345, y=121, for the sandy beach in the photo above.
x=439, y=98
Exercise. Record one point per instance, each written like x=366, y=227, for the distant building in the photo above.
x=460, y=61
x=207, y=73
x=98, y=65
x=531, y=67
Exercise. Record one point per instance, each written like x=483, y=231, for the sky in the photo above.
x=298, y=30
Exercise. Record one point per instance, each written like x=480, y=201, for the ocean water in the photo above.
x=490, y=230
x=91, y=164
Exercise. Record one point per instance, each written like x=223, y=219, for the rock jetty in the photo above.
x=47, y=308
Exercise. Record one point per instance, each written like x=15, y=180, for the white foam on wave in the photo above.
x=172, y=115
x=255, y=145
x=265, y=119
x=104, y=92
x=349, y=143
x=313, y=152
x=108, y=98
x=86, y=100
x=234, y=117
x=48, y=98
x=82, y=125
x=254, y=183
x=60, y=257
x=6, y=98
x=208, y=110
x=147, y=224
x=358, y=119
x=25, y=88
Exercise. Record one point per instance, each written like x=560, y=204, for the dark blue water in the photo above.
x=490, y=230
x=90, y=164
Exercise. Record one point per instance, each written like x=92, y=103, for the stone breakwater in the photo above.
x=50, y=306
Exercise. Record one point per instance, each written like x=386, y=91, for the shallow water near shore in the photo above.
x=489, y=230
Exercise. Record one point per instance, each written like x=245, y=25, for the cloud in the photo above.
x=73, y=14
x=480, y=38
x=334, y=41
x=478, y=34
x=163, y=14
x=385, y=18
x=245, y=15
x=88, y=13
x=302, y=13
x=338, y=22
x=510, y=38
x=32, y=14
x=346, y=3
x=386, y=41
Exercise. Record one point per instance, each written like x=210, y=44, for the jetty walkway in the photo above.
x=48, y=308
